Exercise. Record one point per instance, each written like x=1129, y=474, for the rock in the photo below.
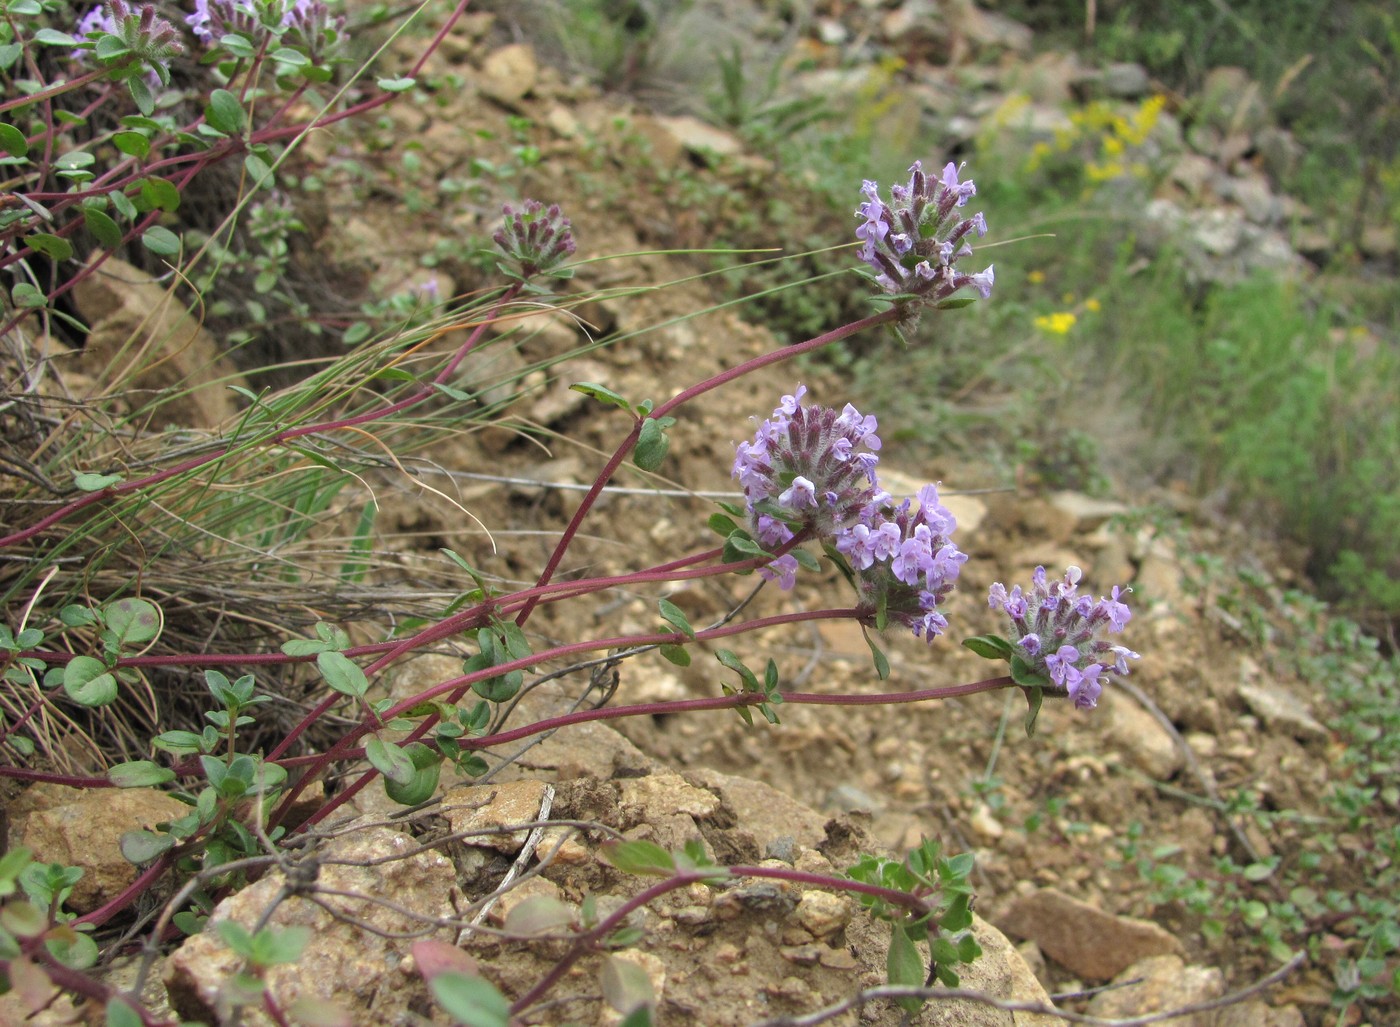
x=1088, y=513
x=1125, y=79
x=1254, y=1013
x=772, y=816
x=83, y=827
x=822, y=913
x=143, y=338
x=1143, y=741
x=1082, y=938
x=355, y=968
x=1281, y=711
x=488, y=808
x=847, y=797
x=668, y=793
x=509, y=74
x=1167, y=983
x=699, y=138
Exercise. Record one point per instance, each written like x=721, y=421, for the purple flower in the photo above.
x=913, y=244
x=811, y=469
x=1059, y=633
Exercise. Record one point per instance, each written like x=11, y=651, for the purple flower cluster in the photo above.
x=913, y=243
x=811, y=469
x=144, y=32
x=536, y=239
x=307, y=23
x=1057, y=633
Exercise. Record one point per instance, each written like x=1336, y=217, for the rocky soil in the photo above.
x=1049, y=817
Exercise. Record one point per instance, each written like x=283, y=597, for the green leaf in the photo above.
x=225, y=113
x=74, y=950
x=24, y=919
x=122, y=204
x=133, y=144
x=102, y=227
x=53, y=37
x=396, y=85
x=277, y=946
x=140, y=847
x=140, y=91
x=626, y=986
x=675, y=616
x=88, y=682
x=538, y=914
x=390, y=760
x=27, y=296
x=119, y=1014
x=12, y=141
x=1034, y=697
x=258, y=170
x=131, y=622
x=74, y=160
x=1025, y=675
x=160, y=194
x=652, y=443
x=989, y=647
x=638, y=857
x=90, y=482
x=453, y=394
x=303, y=647
x=53, y=246
x=601, y=393
x=470, y=1001
x=161, y=241
x=342, y=674
x=676, y=654
x=905, y=967
x=722, y=525
x=139, y=774
x=882, y=662
x=236, y=936
x=427, y=763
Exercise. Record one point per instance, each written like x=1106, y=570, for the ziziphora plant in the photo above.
x=810, y=490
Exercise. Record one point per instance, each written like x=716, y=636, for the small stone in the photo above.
x=1281, y=711
x=985, y=824
x=822, y=913
x=509, y=74
x=802, y=955
x=1082, y=938
x=1162, y=983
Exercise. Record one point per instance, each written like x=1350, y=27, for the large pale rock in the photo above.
x=141, y=337
x=1163, y=983
x=83, y=827
x=1085, y=940
x=1143, y=741
x=353, y=959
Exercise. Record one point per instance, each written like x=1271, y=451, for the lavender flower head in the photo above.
x=1058, y=633
x=904, y=560
x=812, y=469
x=913, y=243
x=535, y=240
